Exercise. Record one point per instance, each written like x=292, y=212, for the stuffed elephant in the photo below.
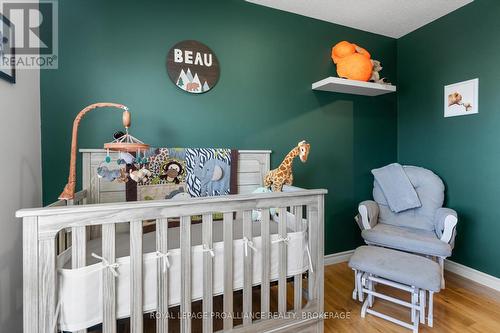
x=214, y=176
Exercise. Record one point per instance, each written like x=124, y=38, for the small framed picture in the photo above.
x=7, y=50
x=461, y=99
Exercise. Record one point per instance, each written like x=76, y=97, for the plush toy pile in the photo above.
x=355, y=63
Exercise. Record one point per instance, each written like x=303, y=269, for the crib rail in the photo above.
x=40, y=227
x=64, y=237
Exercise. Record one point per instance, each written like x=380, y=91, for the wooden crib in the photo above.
x=41, y=228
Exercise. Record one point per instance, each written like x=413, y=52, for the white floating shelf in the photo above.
x=335, y=84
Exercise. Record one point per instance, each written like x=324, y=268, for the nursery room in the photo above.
x=249, y=166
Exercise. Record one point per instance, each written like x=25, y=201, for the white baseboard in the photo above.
x=451, y=266
x=472, y=274
x=337, y=258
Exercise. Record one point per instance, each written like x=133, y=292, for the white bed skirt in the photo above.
x=80, y=290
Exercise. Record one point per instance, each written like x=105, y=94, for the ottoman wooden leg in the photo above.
x=430, y=315
x=441, y=264
x=414, y=306
x=355, y=291
x=422, y=305
x=370, y=297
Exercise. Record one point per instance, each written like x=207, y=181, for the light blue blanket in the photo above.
x=397, y=188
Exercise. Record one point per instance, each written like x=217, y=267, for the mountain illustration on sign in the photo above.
x=190, y=83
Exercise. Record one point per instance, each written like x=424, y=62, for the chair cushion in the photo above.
x=398, y=266
x=397, y=188
x=407, y=239
x=430, y=191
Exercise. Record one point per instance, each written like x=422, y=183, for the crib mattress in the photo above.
x=80, y=290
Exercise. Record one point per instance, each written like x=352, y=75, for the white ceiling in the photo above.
x=393, y=18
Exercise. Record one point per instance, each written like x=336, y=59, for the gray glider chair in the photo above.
x=427, y=229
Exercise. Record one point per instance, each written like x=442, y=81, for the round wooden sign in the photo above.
x=193, y=67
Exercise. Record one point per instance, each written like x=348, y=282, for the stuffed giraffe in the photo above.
x=282, y=175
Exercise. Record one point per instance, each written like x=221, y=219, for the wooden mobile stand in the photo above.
x=125, y=143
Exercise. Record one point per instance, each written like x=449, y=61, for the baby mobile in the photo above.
x=124, y=143
x=138, y=171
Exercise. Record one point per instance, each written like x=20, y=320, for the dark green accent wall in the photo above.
x=116, y=51
x=464, y=151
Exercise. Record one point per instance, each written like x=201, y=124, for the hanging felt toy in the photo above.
x=140, y=160
x=125, y=158
x=108, y=158
x=117, y=135
x=140, y=175
x=112, y=175
x=123, y=178
x=104, y=172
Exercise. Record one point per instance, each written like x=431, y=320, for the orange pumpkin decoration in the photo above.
x=353, y=62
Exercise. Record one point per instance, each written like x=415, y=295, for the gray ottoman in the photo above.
x=409, y=272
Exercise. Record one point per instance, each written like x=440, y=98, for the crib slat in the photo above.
x=78, y=251
x=68, y=239
x=312, y=220
x=297, y=280
x=136, y=276
x=266, y=241
x=320, y=257
x=282, y=247
x=185, y=244
x=47, y=285
x=61, y=241
x=78, y=247
x=108, y=280
x=228, y=270
x=162, y=296
x=247, y=270
x=207, y=274
x=30, y=274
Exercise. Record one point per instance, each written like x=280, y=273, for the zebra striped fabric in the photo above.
x=208, y=171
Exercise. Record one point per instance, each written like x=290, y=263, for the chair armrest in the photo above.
x=368, y=214
x=445, y=222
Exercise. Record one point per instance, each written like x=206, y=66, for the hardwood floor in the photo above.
x=463, y=306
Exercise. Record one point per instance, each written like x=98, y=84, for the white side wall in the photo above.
x=20, y=158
